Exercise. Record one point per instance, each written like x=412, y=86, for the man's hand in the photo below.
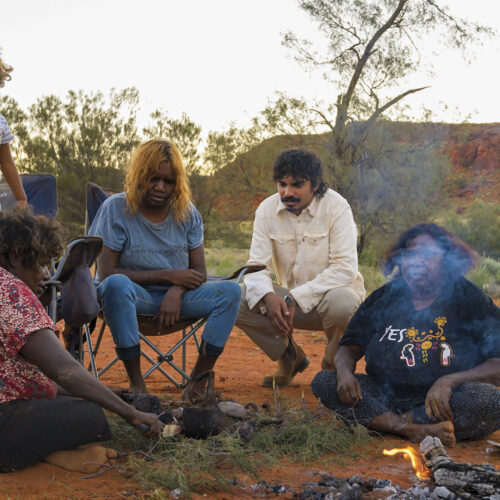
x=170, y=307
x=289, y=317
x=437, y=401
x=280, y=316
x=348, y=388
x=188, y=278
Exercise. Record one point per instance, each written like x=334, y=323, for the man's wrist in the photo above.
x=290, y=301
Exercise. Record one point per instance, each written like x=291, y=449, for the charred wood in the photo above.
x=463, y=479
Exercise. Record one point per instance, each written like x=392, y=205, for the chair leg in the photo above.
x=167, y=357
x=156, y=366
x=97, y=344
x=91, y=351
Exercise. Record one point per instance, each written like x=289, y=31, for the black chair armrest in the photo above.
x=239, y=273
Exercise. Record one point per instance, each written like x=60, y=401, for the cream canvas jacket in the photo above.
x=311, y=253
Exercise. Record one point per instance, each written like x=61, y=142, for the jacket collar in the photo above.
x=312, y=207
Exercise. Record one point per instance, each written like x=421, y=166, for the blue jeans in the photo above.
x=122, y=300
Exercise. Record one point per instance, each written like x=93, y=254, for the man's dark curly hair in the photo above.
x=36, y=238
x=458, y=257
x=301, y=164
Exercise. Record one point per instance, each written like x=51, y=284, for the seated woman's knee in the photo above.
x=230, y=291
x=114, y=284
x=324, y=382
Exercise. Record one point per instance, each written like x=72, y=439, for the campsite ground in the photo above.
x=239, y=373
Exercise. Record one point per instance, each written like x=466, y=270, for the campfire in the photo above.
x=421, y=470
x=453, y=480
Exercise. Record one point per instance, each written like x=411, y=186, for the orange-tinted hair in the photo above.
x=143, y=165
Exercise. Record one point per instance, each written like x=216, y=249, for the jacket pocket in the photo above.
x=316, y=239
x=281, y=238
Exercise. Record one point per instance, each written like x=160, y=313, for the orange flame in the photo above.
x=420, y=469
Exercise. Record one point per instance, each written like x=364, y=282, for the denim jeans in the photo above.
x=122, y=300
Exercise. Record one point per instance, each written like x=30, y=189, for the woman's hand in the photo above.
x=437, y=401
x=348, y=388
x=22, y=204
x=188, y=278
x=170, y=307
x=150, y=419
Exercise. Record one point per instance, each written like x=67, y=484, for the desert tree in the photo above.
x=370, y=51
x=83, y=137
x=183, y=132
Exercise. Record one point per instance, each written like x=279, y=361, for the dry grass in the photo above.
x=204, y=466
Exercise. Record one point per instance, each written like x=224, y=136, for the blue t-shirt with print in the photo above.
x=146, y=245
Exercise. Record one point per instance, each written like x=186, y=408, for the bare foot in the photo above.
x=445, y=431
x=87, y=459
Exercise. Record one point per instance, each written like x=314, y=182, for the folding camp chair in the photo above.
x=77, y=297
x=148, y=325
x=41, y=191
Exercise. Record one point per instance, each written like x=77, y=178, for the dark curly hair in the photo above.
x=300, y=164
x=458, y=257
x=36, y=238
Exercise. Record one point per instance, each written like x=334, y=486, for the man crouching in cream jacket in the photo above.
x=306, y=232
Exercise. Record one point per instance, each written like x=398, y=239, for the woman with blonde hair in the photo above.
x=7, y=165
x=153, y=262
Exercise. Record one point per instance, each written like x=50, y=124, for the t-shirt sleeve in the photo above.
x=108, y=224
x=6, y=134
x=486, y=323
x=195, y=230
x=21, y=314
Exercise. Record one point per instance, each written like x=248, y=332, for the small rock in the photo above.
x=176, y=493
x=388, y=489
x=442, y=492
x=488, y=467
x=382, y=483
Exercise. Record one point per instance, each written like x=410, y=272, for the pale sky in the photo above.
x=217, y=60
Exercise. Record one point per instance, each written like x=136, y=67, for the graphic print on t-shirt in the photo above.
x=422, y=342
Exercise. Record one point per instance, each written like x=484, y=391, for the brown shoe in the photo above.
x=293, y=361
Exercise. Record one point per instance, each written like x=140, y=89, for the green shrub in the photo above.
x=486, y=273
x=480, y=227
x=373, y=278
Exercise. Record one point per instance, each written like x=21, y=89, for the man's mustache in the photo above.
x=290, y=199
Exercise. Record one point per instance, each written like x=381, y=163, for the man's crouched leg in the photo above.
x=336, y=309
x=293, y=361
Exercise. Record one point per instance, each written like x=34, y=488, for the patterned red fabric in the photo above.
x=21, y=314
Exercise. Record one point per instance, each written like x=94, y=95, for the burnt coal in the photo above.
x=356, y=488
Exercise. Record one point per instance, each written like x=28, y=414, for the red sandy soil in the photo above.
x=239, y=373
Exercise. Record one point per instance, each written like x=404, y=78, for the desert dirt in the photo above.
x=239, y=372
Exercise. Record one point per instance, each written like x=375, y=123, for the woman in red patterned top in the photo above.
x=38, y=418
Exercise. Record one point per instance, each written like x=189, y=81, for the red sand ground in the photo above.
x=239, y=373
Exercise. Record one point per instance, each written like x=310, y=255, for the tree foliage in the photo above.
x=183, y=132
x=480, y=227
x=370, y=50
x=84, y=137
